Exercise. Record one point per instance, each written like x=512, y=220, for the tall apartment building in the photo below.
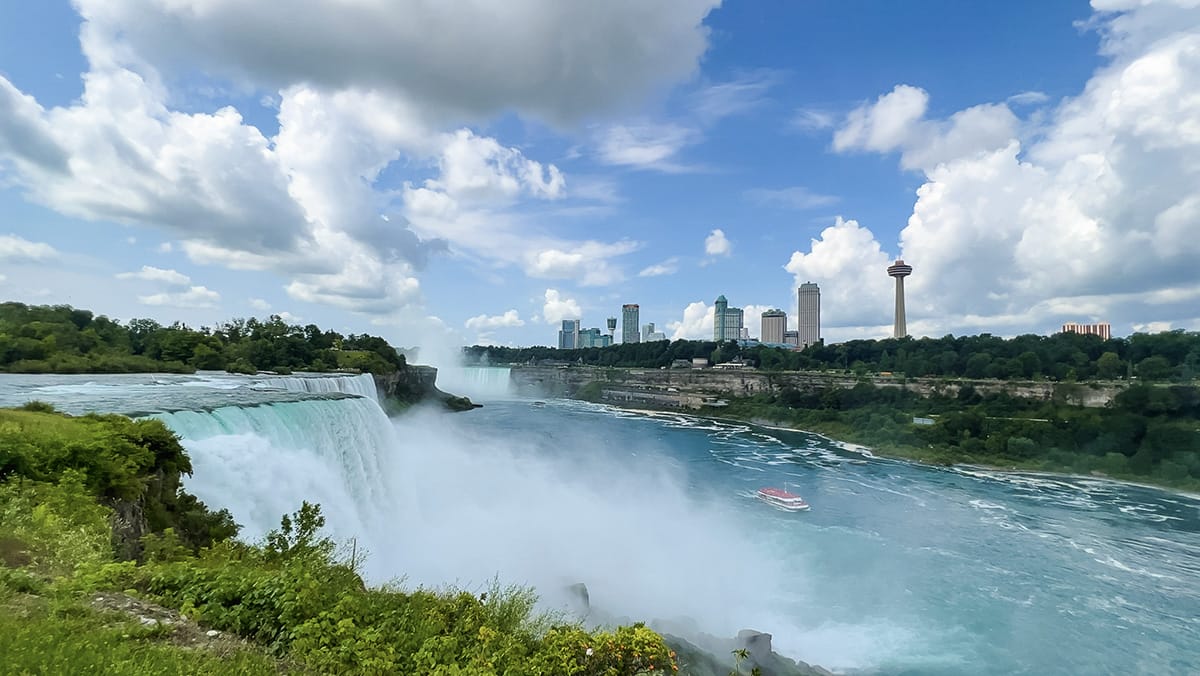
x=808, y=312
x=629, y=323
x=1103, y=329
x=568, y=336
x=727, y=321
x=774, y=326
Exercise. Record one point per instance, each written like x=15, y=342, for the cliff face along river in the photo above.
x=897, y=569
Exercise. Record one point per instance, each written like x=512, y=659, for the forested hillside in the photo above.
x=62, y=339
x=1166, y=356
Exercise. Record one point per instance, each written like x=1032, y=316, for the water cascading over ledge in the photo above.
x=362, y=385
x=260, y=461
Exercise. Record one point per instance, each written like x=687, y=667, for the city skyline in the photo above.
x=735, y=148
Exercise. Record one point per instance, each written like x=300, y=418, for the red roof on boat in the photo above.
x=777, y=493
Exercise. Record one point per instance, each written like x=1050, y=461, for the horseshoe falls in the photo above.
x=897, y=569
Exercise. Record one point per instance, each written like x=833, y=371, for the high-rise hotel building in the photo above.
x=629, y=323
x=808, y=311
x=568, y=336
x=727, y=321
x=774, y=326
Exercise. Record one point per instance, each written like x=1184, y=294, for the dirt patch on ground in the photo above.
x=170, y=624
x=14, y=553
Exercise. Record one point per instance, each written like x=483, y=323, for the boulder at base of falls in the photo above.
x=716, y=657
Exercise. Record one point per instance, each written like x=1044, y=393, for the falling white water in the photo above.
x=362, y=385
x=437, y=504
x=480, y=383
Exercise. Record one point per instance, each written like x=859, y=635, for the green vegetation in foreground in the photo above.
x=43, y=633
x=62, y=339
x=66, y=487
x=1149, y=433
x=1170, y=355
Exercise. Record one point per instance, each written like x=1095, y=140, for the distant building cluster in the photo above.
x=571, y=337
x=1102, y=329
x=729, y=323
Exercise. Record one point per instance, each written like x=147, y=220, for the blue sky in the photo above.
x=445, y=177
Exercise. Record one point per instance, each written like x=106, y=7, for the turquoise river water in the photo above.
x=897, y=568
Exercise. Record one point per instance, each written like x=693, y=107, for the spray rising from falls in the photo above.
x=438, y=502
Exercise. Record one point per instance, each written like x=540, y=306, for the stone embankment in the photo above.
x=695, y=388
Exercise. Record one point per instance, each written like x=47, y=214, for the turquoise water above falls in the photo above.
x=897, y=568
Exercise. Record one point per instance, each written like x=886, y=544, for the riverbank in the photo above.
x=919, y=456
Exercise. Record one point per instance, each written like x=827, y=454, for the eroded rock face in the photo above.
x=580, y=602
x=756, y=642
x=128, y=528
x=414, y=384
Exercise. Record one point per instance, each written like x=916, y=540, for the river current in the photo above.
x=897, y=569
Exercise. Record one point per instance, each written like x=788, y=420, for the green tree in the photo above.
x=1109, y=366
x=1154, y=368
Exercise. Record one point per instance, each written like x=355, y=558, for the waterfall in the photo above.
x=477, y=382
x=260, y=461
x=437, y=499
x=361, y=385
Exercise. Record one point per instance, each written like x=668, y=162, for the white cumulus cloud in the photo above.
x=509, y=318
x=1092, y=218
x=716, y=244
x=194, y=297
x=850, y=267
x=667, y=267
x=896, y=121
x=557, y=308
x=150, y=273
x=18, y=249
x=696, y=324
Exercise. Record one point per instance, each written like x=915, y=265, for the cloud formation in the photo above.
x=14, y=249
x=195, y=297
x=150, y=273
x=716, y=244
x=557, y=61
x=1091, y=219
x=667, y=267
x=308, y=203
x=509, y=318
x=557, y=308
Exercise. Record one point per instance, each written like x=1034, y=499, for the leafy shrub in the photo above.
x=60, y=525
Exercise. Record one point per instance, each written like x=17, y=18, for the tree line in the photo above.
x=1147, y=433
x=1165, y=356
x=63, y=339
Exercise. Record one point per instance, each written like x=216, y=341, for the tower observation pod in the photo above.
x=899, y=270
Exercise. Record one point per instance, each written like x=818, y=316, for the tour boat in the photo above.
x=783, y=499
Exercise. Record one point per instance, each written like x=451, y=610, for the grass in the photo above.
x=49, y=635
